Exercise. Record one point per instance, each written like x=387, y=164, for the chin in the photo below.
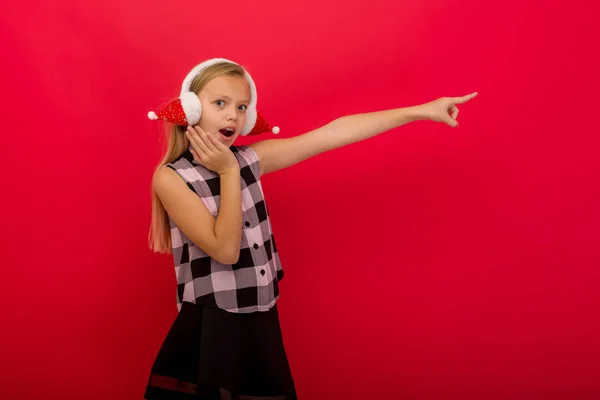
x=228, y=141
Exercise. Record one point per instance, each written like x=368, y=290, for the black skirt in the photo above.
x=212, y=354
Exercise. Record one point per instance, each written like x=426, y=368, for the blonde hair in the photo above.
x=159, y=237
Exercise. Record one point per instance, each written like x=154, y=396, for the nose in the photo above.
x=232, y=115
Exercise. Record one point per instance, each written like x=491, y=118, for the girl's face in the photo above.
x=224, y=102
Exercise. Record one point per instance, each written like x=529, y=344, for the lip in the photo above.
x=225, y=138
x=228, y=127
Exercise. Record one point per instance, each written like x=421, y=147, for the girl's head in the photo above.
x=224, y=94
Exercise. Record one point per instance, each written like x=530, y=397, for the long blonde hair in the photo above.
x=159, y=237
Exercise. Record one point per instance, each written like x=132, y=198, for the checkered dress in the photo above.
x=252, y=283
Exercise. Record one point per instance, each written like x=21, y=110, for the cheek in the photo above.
x=243, y=119
x=204, y=125
x=207, y=120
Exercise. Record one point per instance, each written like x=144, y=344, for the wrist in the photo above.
x=421, y=112
x=229, y=171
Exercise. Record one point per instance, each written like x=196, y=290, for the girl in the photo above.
x=208, y=210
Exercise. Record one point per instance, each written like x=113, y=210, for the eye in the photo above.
x=243, y=107
x=220, y=103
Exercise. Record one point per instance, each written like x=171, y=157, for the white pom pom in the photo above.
x=152, y=115
x=275, y=130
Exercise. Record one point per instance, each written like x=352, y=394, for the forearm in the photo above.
x=358, y=127
x=228, y=224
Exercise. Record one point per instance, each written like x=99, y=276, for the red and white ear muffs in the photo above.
x=187, y=109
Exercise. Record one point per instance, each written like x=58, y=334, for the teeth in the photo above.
x=227, y=131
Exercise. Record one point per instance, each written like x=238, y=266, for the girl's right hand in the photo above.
x=210, y=152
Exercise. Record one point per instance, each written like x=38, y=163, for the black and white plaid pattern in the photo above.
x=252, y=283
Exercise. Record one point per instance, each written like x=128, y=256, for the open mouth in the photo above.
x=227, y=132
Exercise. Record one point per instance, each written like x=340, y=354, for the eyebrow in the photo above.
x=229, y=98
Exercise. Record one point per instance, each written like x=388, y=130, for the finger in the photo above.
x=200, y=138
x=464, y=99
x=197, y=141
x=218, y=145
x=197, y=158
x=204, y=138
x=213, y=143
x=450, y=121
x=208, y=142
x=454, y=112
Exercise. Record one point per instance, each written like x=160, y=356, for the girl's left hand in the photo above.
x=444, y=109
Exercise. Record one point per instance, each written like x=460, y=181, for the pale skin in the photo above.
x=224, y=101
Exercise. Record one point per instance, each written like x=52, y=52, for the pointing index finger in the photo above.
x=464, y=99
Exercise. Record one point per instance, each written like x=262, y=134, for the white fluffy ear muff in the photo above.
x=196, y=109
x=192, y=107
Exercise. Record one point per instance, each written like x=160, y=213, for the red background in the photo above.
x=426, y=263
